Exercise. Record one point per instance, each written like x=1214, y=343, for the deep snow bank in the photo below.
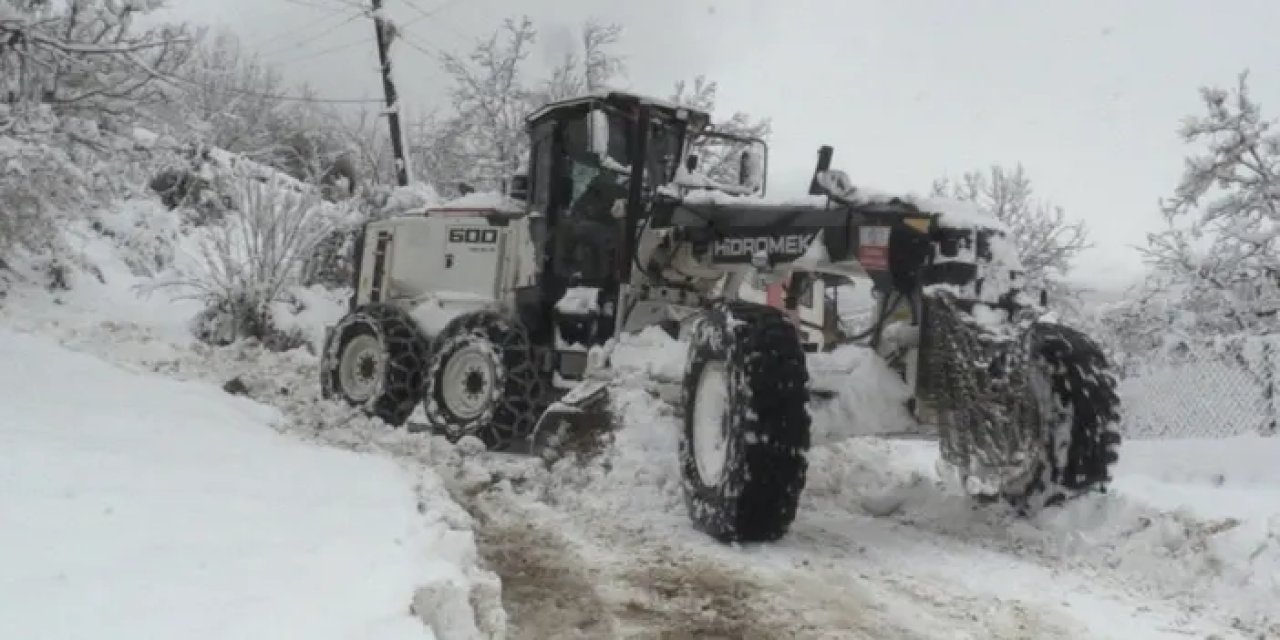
x=137, y=506
x=1193, y=522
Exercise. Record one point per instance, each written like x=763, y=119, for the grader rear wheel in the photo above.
x=375, y=359
x=482, y=381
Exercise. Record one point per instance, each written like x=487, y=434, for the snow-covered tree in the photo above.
x=1220, y=246
x=718, y=159
x=589, y=70
x=230, y=98
x=86, y=54
x=1046, y=239
x=490, y=99
x=483, y=142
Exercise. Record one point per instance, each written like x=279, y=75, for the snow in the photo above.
x=482, y=200
x=651, y=353
x=870, y=399
x=434, y=312
x=952, y=213
x=150, y=503
x=136, y=506
x=143, y=506
x=603, y=94
x=10, y=13
x=720, y=198
x=311, y=311
x=411, y=199
x=579, y=301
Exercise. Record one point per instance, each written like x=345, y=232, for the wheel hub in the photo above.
x=361, y=368
x=468, y=382
x=710, y=414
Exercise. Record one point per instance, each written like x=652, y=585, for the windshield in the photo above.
x=663, y=154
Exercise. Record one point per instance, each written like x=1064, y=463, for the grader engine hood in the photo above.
x=890, y=240
x=739, y=230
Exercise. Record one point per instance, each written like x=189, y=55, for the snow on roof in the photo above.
x=607, y=94
x=10, y=13
x=482, y=200
x=716, y=197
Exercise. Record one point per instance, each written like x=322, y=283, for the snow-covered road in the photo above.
x=881, y=549
x=1186, y=546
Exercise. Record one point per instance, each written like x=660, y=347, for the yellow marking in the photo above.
x=919, y=224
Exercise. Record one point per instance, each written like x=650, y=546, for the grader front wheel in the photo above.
x=745, y=436
x=1078, y=400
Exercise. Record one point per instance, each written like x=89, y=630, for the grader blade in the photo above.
x=578, y=422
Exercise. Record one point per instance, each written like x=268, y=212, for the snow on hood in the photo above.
x=953, y=213
x=484, y=200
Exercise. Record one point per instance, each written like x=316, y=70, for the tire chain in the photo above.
x=406, y=352
x=978, y=380
x=524, y=394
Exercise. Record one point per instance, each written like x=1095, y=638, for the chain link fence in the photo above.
x=1210, y=388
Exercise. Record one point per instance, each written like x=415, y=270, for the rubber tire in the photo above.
x=767, y=428
x=405, y=348
x=516, y=400
x=1079, y=454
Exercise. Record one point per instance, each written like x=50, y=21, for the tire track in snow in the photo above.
x=570, y=570
x=560, y=583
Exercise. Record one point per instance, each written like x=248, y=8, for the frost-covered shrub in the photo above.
x=38, y=182
x=248, y=261
x=55, y=170
x=332, y=263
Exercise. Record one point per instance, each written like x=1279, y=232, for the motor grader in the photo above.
x=496, y=316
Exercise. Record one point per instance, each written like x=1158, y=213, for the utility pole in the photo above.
x=385, y=33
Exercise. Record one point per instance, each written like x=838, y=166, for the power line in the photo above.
x=314, y=54
x=315, y=4
x=423, y=48
x=290, y=30
x=423, y=14
x=434, y=12
x=345, y=21
x=278, y=96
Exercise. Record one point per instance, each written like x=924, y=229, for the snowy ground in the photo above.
x=1187, y=545
x=140, y=506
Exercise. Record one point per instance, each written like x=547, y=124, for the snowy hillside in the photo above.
x=138, y=506
x=261, y=523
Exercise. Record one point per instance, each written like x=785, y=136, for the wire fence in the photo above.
x=1213, y=388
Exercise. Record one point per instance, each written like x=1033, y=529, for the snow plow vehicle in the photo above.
x=496, y=316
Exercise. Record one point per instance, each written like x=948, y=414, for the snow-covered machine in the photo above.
x=498, y=317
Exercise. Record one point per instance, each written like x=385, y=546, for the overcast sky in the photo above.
x=1087, y=94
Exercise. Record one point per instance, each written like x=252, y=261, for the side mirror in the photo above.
x=691, y=163
x=751, y=169
x=598, y=130
x=519, y=187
